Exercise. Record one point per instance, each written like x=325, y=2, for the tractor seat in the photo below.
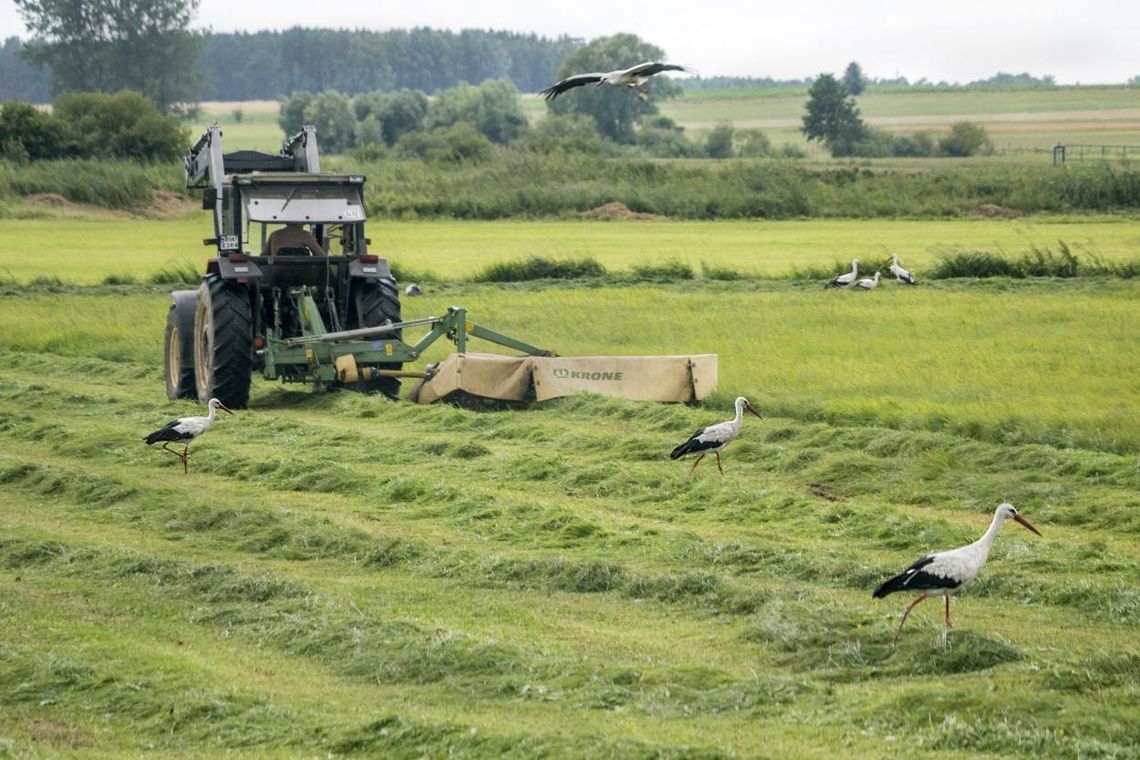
x=292, y=241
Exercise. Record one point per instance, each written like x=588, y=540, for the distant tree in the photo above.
x=368, y=132
x=291, y=115
x=966, y=138
x=331, y=114
x=615, y=109
x=718, y=142
x=853, y=79
x=19, y=80
x=111, y=45
x=492, y=108
x=832, y=116
x=401, y=112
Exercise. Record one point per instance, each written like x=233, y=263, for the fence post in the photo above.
x=1058, y=154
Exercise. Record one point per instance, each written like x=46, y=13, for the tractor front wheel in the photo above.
x=223, y=342
x=178, y=347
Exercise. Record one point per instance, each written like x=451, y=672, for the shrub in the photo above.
x=27, y=133
x=538, y=268
x=665, y=270
x=918, y=145
x=123, y=125
x=754, y=142
x=966, y=138
x=1037, y=262
x=718, y=142
x=566, y=133
x=459, y=143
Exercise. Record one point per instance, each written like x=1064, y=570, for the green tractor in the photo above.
x=292, y=263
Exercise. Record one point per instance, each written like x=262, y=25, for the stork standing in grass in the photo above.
x=900, y=274
x=867, y=283
x=186, y=429
x=948, y=572
x=715, y=437
x=631, y=77
x=846, y=280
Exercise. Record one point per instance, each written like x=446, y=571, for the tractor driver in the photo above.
x=292, y=239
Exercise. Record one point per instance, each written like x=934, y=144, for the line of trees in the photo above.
x=77, y=52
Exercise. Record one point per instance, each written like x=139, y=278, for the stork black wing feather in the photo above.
x=166, y=433
x=914, y=579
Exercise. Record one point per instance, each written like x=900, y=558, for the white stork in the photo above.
x=186, y=429
x=900, y=274
x=631, y=77
x=948, y=572
x=413, y=289
x=846, y=280
x=867, y=283
x=715, y=437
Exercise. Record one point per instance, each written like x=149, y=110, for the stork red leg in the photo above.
x=905, y=614
x=185, y=457
x=718, y=462
x=171, y=451
x=694, y=467
x=948, y=623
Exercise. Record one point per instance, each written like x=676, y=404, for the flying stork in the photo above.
x=631, y=77
x=950, y=571
x=846, y=280
x=715, y=437
x=867, y=283
x=901, y=274
x=186, y=429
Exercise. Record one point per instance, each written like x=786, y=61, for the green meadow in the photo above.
x=339, y=575
x=87, y=249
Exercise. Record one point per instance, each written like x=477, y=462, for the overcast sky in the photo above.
x=1084, y=41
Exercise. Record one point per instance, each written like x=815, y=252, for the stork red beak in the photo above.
x=754, y=411
x=225, y=408
x=1026, y=523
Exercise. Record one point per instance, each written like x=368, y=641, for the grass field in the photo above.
x=339, y=575
x=88, y=248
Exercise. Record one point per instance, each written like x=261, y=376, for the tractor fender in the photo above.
x=238, y=268
x=185, y=304
x=373, y=270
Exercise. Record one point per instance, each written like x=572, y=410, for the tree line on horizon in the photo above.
x=268, y=65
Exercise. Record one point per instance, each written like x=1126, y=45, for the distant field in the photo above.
x=1019, y=120
x=87, y=251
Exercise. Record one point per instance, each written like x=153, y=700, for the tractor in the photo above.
x=292, y=261
x=294, y=293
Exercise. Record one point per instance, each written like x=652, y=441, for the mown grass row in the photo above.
x=816, y=642
x=340, y=574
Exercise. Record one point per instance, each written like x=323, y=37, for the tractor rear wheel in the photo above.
x=376, y=302
x=178, y=346
x=223, y=342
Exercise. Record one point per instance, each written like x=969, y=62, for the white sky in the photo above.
x=1081, y=41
